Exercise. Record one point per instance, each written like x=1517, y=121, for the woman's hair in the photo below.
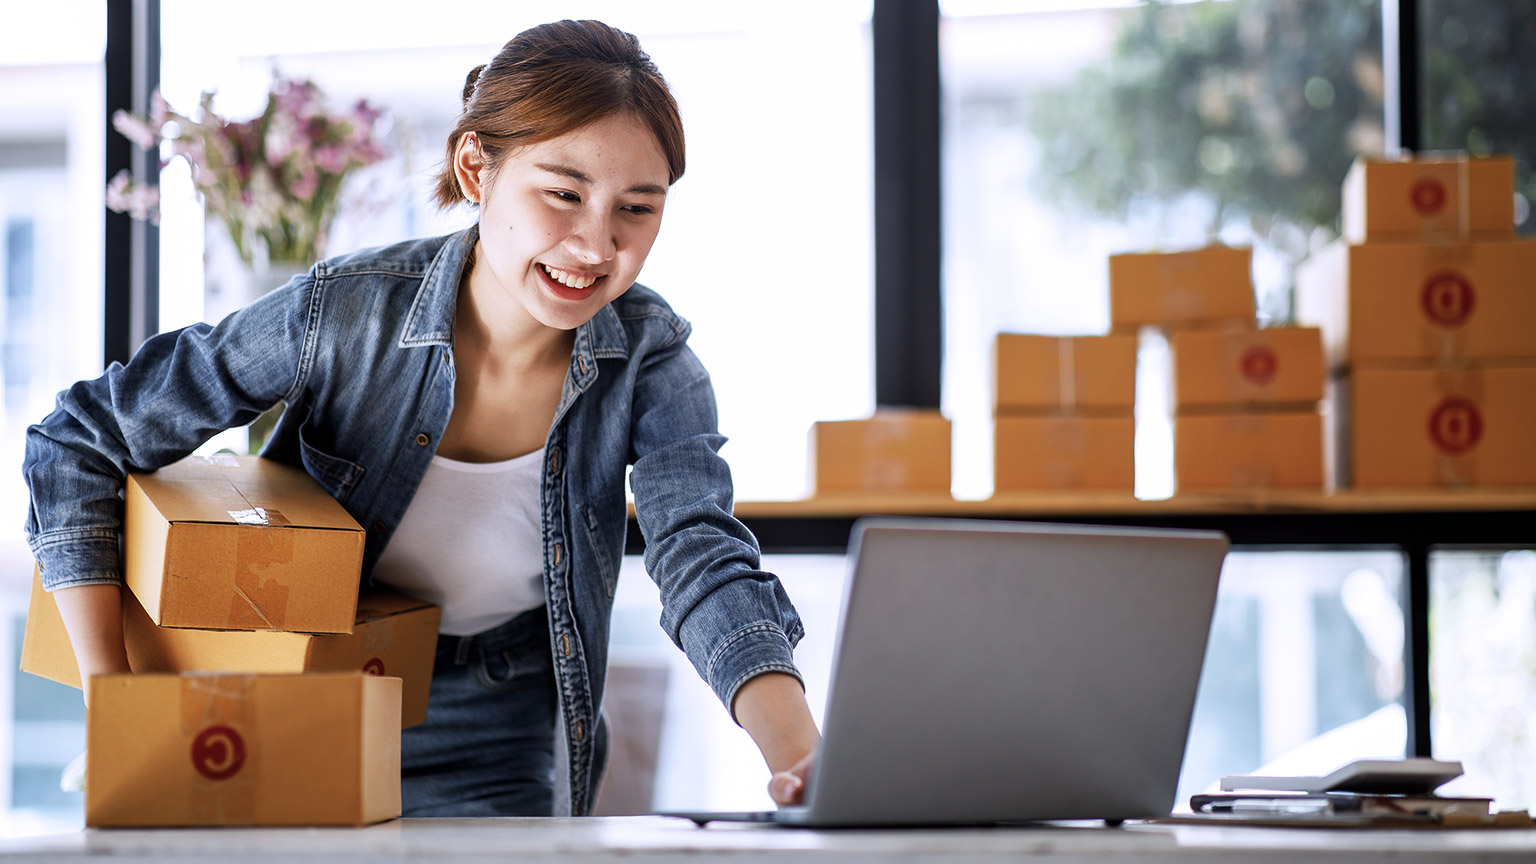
x=553, y=79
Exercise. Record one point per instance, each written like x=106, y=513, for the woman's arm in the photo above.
x=93, y=617
x=772, y=708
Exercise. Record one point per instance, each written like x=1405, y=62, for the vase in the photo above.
x=234, y=284
x=238, y=285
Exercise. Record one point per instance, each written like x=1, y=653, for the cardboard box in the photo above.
x=1442, y=427
x=1242, y=367
x=896, y=450
x=174, y=750
x=229, y=543
x=1413, y=302
x=1063, y=374
x=1198, y=288
x=393, y=635
x=1424, y=198
x=1248, y=451
x=1065, y=452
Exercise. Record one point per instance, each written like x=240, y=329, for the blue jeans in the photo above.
x=488, y=745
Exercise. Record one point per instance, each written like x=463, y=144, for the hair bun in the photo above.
x=470, y=81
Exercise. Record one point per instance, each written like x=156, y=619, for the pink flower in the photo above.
x=304, y=187
x=331, y=158
x=136, y=199
x=135, y=129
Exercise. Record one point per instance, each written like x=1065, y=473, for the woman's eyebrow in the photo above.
x=580, y=177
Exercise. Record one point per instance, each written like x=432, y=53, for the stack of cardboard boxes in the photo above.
x=269, y=693
x=1246, y=409
x=1427, y=305
x=1063, y=409
x=1245, y=400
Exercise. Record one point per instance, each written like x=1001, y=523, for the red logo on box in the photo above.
x=1428, y=196
x=1448, y=299
x=374, y=666
x=218, y=752
x=1455, y=426
x=1259, y=365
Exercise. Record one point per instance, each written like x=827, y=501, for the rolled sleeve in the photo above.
x=747, y=653
x=86, y=556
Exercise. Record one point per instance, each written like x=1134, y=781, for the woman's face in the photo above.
x=565, y=225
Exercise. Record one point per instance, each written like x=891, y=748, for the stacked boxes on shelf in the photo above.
x=264, y=698
x=1245, y=400
x=1426, y=306
x=897, y=450
x=1063, y=412
x=1246, y=408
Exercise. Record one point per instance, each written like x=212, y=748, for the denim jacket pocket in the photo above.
x=338, y=476
x=608, y=556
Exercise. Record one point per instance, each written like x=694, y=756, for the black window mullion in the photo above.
x=131, y=254
x=909, y=322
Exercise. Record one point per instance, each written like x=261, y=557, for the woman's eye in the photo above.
x=565, y=195
x=639, y=209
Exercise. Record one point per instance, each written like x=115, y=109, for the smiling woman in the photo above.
x=481, y=395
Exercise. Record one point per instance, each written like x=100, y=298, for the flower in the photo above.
x=273, y=180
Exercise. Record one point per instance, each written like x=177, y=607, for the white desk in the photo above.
x=643, y=840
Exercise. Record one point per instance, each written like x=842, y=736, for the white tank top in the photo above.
x=469, y=542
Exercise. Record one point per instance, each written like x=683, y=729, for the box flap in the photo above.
x=377, y=603
x=229, y=489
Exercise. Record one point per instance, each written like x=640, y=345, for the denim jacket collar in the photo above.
x=430, y=321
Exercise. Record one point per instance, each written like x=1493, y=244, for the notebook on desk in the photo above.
x=992, y=672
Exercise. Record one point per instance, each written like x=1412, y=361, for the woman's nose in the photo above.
x=592, y=242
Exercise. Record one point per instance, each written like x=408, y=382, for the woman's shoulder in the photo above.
x=647, y=316
x=408, y=258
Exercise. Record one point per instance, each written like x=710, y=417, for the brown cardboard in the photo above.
x=1197, y=288
x=1409, y=302
x=896, y=450
x=1065, y=452
x=1429, y=198
x=1063, y=374
x=240, y=543
x=1443, y=427
x=1227, y=369
x=179, y=750
x=394, y=635
x=1248, y=451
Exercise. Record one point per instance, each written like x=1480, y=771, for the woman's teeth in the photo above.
x=570, y=280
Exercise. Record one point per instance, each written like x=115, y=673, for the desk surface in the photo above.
x=637, y=840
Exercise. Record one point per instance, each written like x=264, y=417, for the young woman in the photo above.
x=474, y=400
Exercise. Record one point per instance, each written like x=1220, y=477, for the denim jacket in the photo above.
x=361, y=350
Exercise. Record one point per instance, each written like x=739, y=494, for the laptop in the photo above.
x=989, y=672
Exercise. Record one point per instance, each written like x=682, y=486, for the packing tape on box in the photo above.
x=1455, y=425
x=259, y=604
x=1066, y=374
x=218, y=724
x=259, y=516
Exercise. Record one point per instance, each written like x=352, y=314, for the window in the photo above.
x=51, y=182
x=1089, y=129
x=767, y=244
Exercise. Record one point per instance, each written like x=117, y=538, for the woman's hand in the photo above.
x=788, y=787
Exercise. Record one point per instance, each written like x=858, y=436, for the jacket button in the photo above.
x=422, y=439
x=565, y=644
x=580, y=731
x=554, y=460
x=558, y=551
x=378, y=526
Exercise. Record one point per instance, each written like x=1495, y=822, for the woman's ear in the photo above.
x=469, y=167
